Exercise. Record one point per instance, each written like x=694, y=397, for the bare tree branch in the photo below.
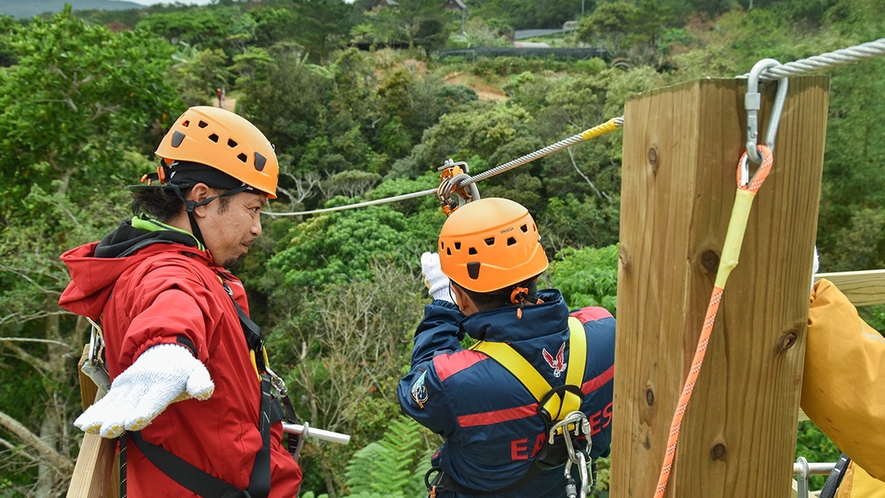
x=30, y=339
x=47, y=454
x=24, y=275
x=22, y=318
x=39, y=364
x=18, y=450
x=571, y=155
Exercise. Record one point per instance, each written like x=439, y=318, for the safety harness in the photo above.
x=567, y=428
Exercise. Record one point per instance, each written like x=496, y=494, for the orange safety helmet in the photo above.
x=225, y=141
x=490, y=244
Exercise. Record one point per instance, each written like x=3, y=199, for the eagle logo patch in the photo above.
x=558, y=364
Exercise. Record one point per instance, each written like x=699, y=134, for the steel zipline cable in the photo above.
x=591, y=133
x=839, y=57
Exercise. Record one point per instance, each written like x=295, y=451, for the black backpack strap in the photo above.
x=835, y=477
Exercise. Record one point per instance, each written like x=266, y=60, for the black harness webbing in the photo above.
x=183, y=472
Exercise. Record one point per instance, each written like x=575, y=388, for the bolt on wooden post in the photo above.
x=681, y=150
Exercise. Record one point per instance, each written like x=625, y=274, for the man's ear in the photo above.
x=463, y=301
x=199, y=193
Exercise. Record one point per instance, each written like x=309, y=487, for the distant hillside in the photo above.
x=31, y=8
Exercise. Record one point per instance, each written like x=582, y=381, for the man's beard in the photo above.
x=231, y=264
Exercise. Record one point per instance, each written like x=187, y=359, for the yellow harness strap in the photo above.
x=534, y=381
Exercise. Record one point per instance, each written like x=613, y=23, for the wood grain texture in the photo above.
x=862, y=288
x=681, y=149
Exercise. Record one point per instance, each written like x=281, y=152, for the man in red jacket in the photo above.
x=190, y=397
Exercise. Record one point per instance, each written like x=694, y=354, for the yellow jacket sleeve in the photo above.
x=843, y=390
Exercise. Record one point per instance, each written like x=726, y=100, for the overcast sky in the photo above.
x=187, y=2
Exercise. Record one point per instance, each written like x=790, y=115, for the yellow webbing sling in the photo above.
x=534, y=381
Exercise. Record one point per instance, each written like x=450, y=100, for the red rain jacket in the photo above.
x=170, y=293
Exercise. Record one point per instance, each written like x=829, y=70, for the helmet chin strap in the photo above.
x=190, y=205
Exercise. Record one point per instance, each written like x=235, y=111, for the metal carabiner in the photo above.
x=451, y=176
x=582, y=426
x=585, y=478
x=752, y=103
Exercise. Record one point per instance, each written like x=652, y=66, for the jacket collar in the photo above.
x=503, y=325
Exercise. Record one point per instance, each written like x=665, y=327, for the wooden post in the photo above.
x=97, y=471
x=681, y=149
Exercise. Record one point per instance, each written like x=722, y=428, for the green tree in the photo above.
x=588, y=276
x=606, y=25
x=225, y=28
x=337, y=248
x=79, y=110
x=623, y=26
x=395, y=465
x=287, y=100
x=77, y=99
x=274, y=25
x=418, y=22
x=343, y=348
x=322, y=25
x=199, y=73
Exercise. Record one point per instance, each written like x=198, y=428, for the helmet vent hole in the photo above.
x=177, y=138
x=231, y=144
x=186, y=123
x=473, y=270
x=472, y=251
x=213, y=137
x=457, y=246
x=511, y=241
x=202, y=124
x=448, y=252
x=242, y=157
x=489, y=241
x=524, y=228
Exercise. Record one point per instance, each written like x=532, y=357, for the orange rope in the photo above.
x=730, y=252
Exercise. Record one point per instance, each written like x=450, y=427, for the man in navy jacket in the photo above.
x=483, y=281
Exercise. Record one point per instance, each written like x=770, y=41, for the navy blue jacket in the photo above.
x=487, y=417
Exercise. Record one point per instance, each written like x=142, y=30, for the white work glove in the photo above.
x=435, y=280
x=159, y=377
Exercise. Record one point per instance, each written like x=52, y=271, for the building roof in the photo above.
x=452, y=4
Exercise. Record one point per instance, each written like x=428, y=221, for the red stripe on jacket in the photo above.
x=498, y=416
x=598, y=381
x=591, y=314
x=508, y=414
x=450, y=364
